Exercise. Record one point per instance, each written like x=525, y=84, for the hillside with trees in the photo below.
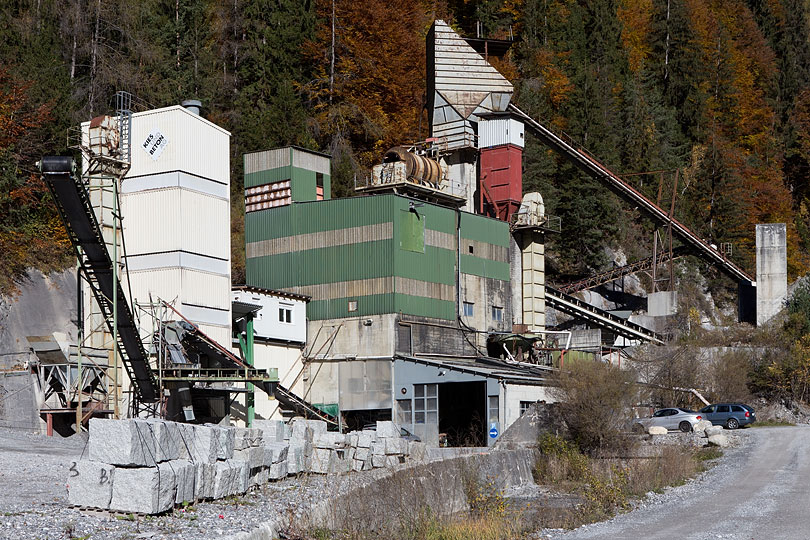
x=718, y=90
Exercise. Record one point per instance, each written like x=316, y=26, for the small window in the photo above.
x=352, y=305
x=493, y=409
x=285, y=314
x=404, y=411
x=709, y=409
x=471, y=248
x=468, y=309
x=426, y=403
x=525, y=405
x=319, y=179
x=737, y=408
x=497, y=314
x=722, y=408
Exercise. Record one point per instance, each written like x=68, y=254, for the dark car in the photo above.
x=729, y=415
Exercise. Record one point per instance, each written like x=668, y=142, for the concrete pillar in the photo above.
x=516, y=277
x=662, y=303
x=771, y=270
x=534, y=280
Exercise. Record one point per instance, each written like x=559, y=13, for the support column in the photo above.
x=534, y=280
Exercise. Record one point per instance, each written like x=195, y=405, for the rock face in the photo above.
x=657, y=430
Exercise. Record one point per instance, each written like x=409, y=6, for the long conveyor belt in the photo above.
x=73, y=203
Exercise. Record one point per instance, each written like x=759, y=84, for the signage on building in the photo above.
x=155, y=143
x=493, y=432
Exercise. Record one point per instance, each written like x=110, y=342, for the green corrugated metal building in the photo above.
x=372, y=255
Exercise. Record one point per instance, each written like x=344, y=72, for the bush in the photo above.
x=595, y=401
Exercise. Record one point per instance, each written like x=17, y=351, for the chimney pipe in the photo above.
x=193, y=106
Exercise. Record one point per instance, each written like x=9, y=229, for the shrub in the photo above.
x=595, y=400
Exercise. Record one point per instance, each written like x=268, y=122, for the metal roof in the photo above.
x=273, y=292
x=491, y=368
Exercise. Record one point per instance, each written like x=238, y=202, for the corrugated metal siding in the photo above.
x=312, y=162
x=484, y=267
x=312, y=217
x=338, y=308
x=152, y=222
x=500, y=131
x=204, y=289
x=205, y=224
x=268, y=176
x=425, y=307
x=266, y=160
x=164, y=283
x=195, y=145
x=484, y=229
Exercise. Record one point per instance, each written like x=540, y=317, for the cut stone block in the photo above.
x=417, y=450
x=362, y=453
x=167, y=435
x=328, y=440
x=247, y=438
x=275, y=453
x=320, y=460
x=378, y=448
x=226, y=442
x=90, y=484
x=186, y=475
x=259, y=477
x=204, y=480
x=378, y=461
x=272, y=430
x=147, y=490
x=229, y=477
x=340, y=465
x=296, y=458
x=317, y=426
x=366, y=438
x=352, y=438
x=127, y=443
x=386, y=428
x=277, y=471
x=242, y=476
x=357, y=465
x=393, y=461
x=396, y=446
x=200, y=443
x=253, y=456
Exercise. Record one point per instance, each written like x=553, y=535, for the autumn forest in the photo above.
x=713, y=94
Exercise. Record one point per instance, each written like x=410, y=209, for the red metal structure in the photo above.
x=501, y=178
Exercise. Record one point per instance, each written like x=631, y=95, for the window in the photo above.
x=524, y=406
x=493, y=409
x=352, y=305
x=497, y=314
x=471, y=249
x=426, y=404
x=285, y=313
x=404, y=411
x=318, y=186
x=468, y=309
x=404, y=343
x=737, y=408
x=722, y=408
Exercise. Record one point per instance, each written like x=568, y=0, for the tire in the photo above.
x=732, y=423
x=685, y=426
x=638, y=429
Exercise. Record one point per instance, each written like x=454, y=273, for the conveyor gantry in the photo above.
x=73, y=202
x=589, y=165
x=578, y=308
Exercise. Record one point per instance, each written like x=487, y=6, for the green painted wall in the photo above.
x=421, y=250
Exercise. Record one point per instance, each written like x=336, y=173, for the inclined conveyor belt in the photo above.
x=73, y=203
x=588, y=164
x=578, y=308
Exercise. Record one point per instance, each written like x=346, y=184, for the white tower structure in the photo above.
x=175, y=206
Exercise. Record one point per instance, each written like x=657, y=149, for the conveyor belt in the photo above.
x=594, y=168
x=73, y=203
x=577, y=308
x=300, y=406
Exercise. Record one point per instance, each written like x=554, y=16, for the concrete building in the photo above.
x=279, y=337
x=771, y=287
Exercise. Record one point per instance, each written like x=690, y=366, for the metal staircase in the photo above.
x=73, y=202
x=583, y=310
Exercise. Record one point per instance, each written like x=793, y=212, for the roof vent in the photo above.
x=193, y=106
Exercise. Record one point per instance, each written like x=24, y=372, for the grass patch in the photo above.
x=607, y=486
x=771, y=423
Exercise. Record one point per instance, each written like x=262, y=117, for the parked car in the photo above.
x=671, y=418
x=729, y=415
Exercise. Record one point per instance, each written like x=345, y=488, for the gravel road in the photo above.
x=759, y=490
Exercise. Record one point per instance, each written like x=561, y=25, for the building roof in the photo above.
x=491, y=368
x=271, y=292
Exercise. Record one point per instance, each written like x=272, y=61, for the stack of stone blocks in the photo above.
x=149, y=466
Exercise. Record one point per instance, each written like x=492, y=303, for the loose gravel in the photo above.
x=33, y=500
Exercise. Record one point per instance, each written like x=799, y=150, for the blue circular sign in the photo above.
x=493, y=433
